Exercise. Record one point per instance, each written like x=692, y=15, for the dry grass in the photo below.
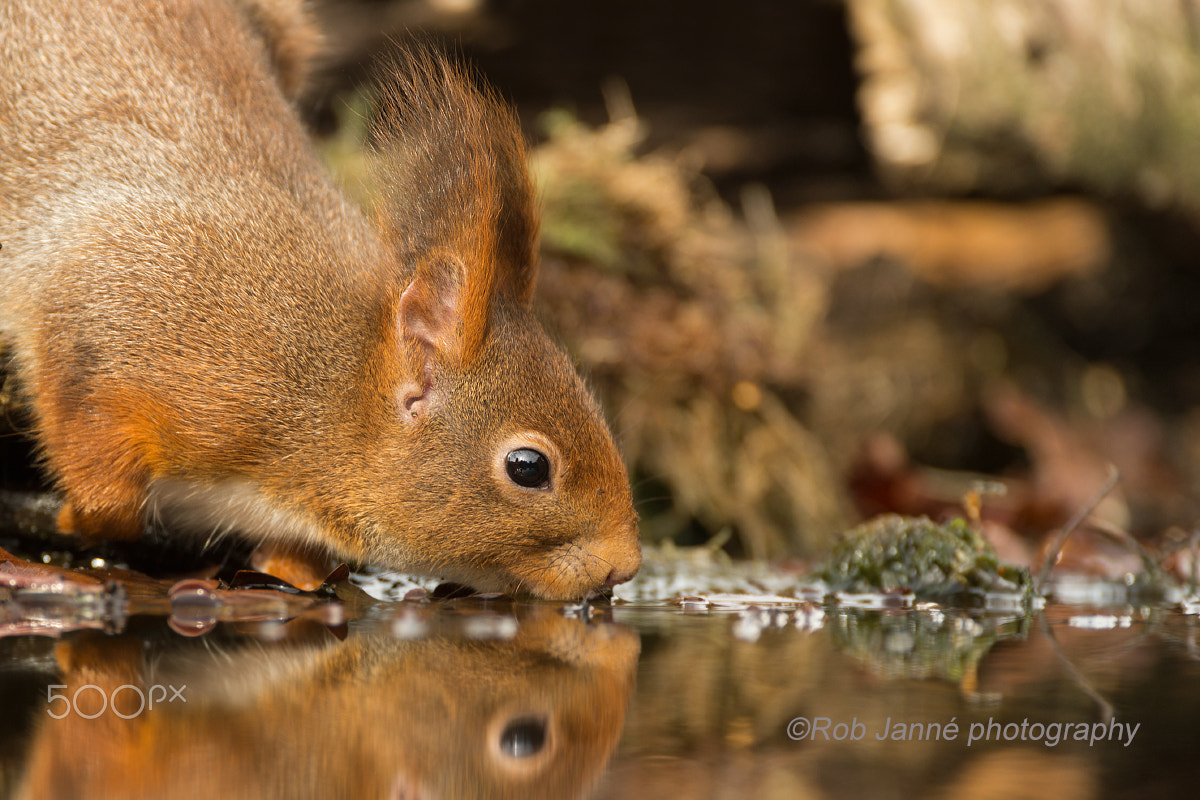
x=693, y=323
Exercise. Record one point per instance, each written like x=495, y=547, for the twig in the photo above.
x=1106, y=708
x=1114, y=475
x=1121, y=536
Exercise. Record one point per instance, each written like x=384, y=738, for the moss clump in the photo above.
x=935, y=562
x=917, y=644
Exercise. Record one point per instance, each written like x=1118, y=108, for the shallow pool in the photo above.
x=352, y=697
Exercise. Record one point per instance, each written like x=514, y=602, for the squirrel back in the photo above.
x=211, y=336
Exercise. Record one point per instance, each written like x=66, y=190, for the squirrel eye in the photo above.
x=525, y=736
x=528, y=468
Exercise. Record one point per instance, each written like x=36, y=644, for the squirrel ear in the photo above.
x=429, y=319
x=430, y=307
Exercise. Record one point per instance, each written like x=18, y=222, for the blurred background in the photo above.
x=828, y=258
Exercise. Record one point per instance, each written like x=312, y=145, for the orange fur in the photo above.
x=370, y=717
x=210, y=334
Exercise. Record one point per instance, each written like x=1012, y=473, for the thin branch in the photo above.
x=1106, y=708
x=1083, y=513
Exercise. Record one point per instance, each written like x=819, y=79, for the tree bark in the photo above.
x=1026, y=96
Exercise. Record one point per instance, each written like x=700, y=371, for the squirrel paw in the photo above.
x=303, y=567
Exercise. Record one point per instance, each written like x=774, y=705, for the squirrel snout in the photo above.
x=618, y=575
x=624, y=556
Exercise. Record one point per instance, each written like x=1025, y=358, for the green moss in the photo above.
x=918, y=644
x=935, y=562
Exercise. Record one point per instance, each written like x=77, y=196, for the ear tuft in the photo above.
x=449, y=159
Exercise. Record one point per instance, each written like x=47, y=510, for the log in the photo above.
x=1026, y=96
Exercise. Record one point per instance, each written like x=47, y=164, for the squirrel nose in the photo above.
x=617, y=576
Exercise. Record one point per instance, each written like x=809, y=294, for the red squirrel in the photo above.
x=211, y=337
x=440, y=716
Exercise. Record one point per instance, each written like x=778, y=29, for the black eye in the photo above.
x=528, y=468
x=523, y=737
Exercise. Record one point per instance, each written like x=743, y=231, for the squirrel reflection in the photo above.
x=443, y=716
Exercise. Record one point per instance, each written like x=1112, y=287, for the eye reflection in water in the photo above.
x=523, y=738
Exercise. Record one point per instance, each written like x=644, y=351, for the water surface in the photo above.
x=488, y=698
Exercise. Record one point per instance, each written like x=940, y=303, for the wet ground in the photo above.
x=192, y=689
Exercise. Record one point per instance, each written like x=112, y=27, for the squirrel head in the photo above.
x=494, y=466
